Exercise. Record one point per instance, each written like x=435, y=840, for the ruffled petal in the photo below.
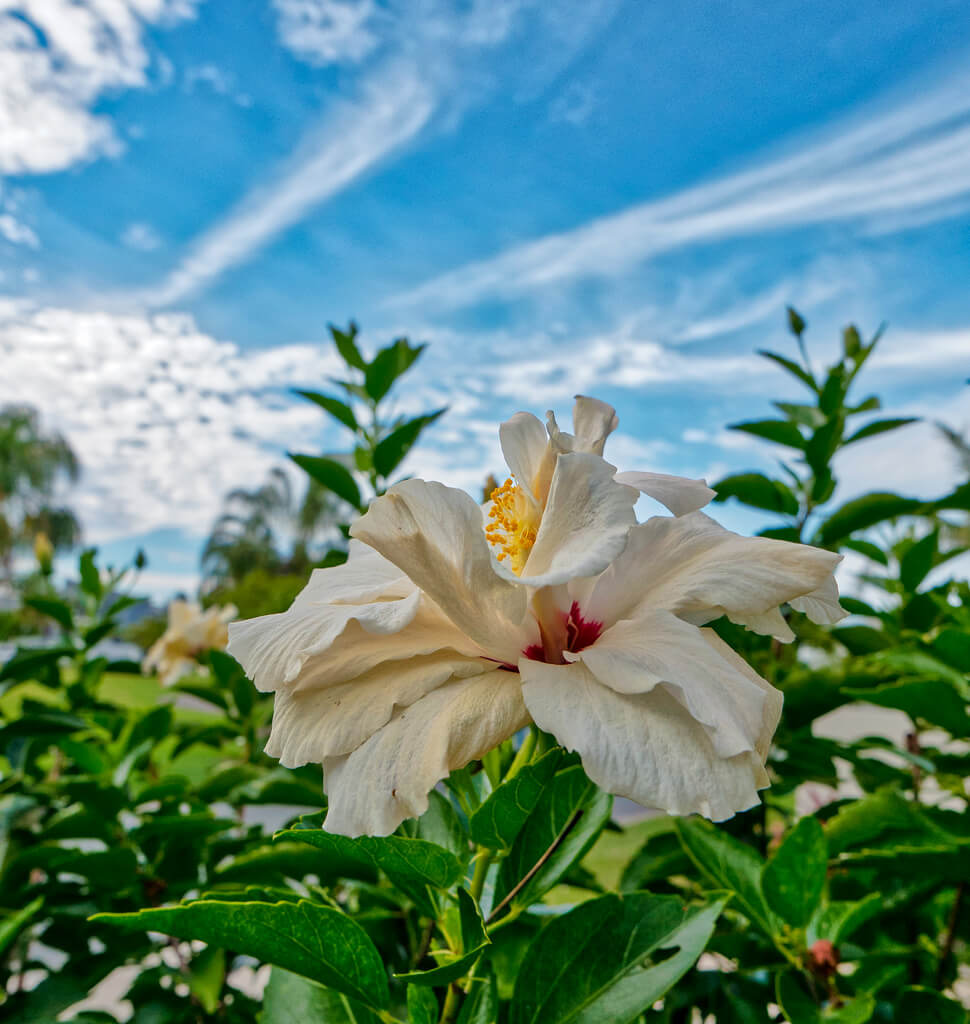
x=310, y=725
x=644, y=746
x=593, y=422
x=525, y=446
x=678, y=493
x=695, y=568
x=434, y=534
x=585, y=523
x=822, y=605
x=388, y=778
x=636, y=655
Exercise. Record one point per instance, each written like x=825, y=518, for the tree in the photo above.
x=271, y=529
x=34, y=462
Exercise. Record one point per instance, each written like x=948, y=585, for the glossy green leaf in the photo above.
x=793, y=880
x=206, y=976
x=758, y=491
x=347, y=346
x=26, y=661
x=930, y=700
x=918, y=560
x=306, y=938
x=566, y=820
x=331, y=474
x=292, y=999
x=590, y=965
x=880, y=427
x=340, y=411
x=481, y=1004
x=391, y=450
x=14, y=924
x=422, y=1005
x=388, y=365
x=55, y=609
x=861, y=513
x=838, y=919
x=413, y=865
x=928, y=1007
x=90, y=577
x=729, y=865
x=780, y=431
x=499, y=819
x=868, y=549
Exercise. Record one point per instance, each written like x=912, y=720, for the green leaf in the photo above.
x=918, y=560
x=388, y=365
x=12, y=926
x=759, y=491
x=422, y=1005
x=306, y=938
x=796, y=323
x=779, y=431
x=347, y=346
x=567, y=818
x=861, y=639
x=880, y=427
x=500, y=818
x=800, y=1007
x=26, y=661
x=837, y=920
x=292, y=999
x=791, y=366
x=833, y=391
x=472, y=943
x=793, y=880
x=931, y=700
x=928, y=1007
x=864, y=820
x=861, y=513
x=588, y=966
x=730, y=865
x=851, y=341
x=481, y=1003
x=90, y=577
x=53, y=608
x=958, y=499
x=413, y=865
x=340, y=411
x=390, y=452
x=206, y=976
x=332, y=475
x=820, y=448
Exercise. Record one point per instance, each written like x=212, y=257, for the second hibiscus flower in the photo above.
x=452, y=626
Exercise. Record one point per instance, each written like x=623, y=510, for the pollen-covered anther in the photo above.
x=511, y=526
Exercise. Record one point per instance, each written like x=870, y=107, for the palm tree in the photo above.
x=269, y=528
x=33, y=462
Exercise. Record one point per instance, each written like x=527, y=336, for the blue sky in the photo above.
x=615, y=198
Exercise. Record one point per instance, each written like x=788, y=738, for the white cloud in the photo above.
x=913, y=158
x=356, y=135
x=165, y=418
x=328, y=31
x=57, y=57
x=16, y=232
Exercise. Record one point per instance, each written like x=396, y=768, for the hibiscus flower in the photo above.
x=191, y=631
x=452, y=626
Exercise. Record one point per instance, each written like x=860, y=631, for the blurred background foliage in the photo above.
x=841, y=898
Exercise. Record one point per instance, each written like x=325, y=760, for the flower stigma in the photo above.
x=512, y=525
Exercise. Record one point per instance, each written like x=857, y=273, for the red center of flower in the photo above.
x=579, y=634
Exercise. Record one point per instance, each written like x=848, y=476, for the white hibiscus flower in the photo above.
x=451, y=627
x=191, y=631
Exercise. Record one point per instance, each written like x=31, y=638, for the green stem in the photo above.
x=484, y=862
x=524, y=754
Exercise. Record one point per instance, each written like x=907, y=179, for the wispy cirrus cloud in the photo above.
x=909, y=161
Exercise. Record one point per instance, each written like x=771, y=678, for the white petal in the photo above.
x=388, y=778
x=697, y=569
x=593, y=422
x=584, y=525
x=635, y=655
x=678, y=493
x=643, y=746
x=822, y=605
x=312, y=724
x=525, y=446
x=434, y=535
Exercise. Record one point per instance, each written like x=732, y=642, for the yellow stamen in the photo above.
x=512, y=526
